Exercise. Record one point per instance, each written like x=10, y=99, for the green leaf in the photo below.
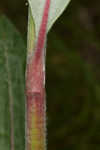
x=56, y=9
x=12, y=99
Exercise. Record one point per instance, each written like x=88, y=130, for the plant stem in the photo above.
x=35, y=84
x=35, y=130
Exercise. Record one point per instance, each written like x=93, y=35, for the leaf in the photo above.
x=12, y=99
x=56, y=9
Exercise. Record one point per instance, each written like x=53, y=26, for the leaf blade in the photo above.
x=12, y=57
x=56, y=9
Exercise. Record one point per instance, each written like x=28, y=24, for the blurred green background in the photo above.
x=73, y=73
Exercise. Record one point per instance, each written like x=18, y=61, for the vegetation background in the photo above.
x=72, y=79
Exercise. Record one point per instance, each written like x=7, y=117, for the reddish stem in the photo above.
x=35, y=67
x=35, y=89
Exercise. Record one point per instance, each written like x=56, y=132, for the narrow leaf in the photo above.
x=12, y=99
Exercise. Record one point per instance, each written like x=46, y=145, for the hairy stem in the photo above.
x=35, y=84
